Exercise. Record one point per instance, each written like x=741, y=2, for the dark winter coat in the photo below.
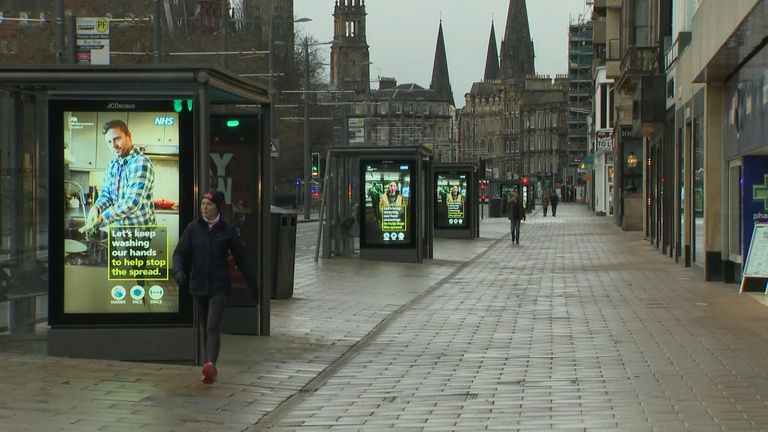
x=203, y=255
x=553, y=200
x=516, y=211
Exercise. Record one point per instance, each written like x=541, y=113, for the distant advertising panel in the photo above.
x=122, y=192
x=450, y=200
x=387, y=215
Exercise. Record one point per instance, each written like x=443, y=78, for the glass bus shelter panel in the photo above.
x=341, y=229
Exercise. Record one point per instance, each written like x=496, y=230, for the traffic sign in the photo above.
x=275, y=147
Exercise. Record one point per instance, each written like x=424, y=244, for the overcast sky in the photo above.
x=402, y=35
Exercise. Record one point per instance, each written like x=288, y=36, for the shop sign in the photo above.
x=755, y=197
x=604, y=140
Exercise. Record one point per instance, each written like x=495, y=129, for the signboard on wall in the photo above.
x=356, y=131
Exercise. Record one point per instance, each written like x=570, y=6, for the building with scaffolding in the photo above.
x=580, y=54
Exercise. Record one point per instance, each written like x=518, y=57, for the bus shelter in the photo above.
x=377, y=201
x=500, y=190
x=456, y=200
x=110, y=290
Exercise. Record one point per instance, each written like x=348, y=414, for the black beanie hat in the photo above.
x=215, y=197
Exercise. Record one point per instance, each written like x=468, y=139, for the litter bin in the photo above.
x=495, y=209
x=283, y=252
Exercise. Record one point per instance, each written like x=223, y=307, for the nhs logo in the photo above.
x=164, y=120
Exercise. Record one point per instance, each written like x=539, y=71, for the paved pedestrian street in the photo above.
x=579, y=327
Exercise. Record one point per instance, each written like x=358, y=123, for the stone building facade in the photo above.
x=513, y=120
x=394, y=114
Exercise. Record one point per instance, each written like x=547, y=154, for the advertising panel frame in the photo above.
x=412, y=196
x=57, y=106
x=470, y=229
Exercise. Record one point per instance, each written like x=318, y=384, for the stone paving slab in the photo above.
x=580, y=327
x=334, y=306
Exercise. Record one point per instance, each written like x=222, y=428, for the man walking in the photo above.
x=553, y=200
x=516, y=215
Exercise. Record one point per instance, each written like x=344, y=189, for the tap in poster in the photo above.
x=387, y=208
x=450, y=200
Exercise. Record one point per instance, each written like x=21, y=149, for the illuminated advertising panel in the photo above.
x=450, y=200
x=234, y=169
x=120, y=165
x=386, y=192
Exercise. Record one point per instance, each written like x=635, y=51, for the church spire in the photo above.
x=441, y=82
x=492, y=59
x=517, y=55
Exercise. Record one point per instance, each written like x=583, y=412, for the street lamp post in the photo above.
x=307, y=168
x=272, y=90
x=272, y=101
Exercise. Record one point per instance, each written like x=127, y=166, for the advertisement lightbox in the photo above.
x=115, y=222
x=451, y=211
x=386, y=194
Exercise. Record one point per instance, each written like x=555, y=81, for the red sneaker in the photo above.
x=209, y=373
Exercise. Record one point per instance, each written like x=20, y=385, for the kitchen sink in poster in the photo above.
x=121, y=218
x=387, y=209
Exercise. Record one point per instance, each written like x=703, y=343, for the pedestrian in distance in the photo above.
x=544, y=203
x=516, y=215
x=553, y=200
x=201, y=260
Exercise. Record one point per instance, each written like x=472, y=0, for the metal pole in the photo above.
x=71, y=29
x=59, y=31
x=224, y=22
x=307, y=169
x=553, y=166
x=272, y=98
x=156, y=31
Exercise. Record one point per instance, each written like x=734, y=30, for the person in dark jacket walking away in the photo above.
x=202, y=254
x=553, y=200
x=544, y=203
x=516, y=214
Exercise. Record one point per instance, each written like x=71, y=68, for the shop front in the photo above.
x=746, y=160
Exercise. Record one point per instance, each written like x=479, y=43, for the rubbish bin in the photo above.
x=495, y=209
x=283, y=252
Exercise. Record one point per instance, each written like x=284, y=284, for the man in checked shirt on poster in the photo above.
x=126, y=193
